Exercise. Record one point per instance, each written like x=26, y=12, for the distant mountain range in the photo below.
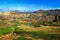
x=45, y=15
x=3, y=10
x=46, y=12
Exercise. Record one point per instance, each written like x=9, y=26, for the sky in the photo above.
x=29, y=5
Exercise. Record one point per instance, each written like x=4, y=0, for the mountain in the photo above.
x=49, y=12
x=44, y=15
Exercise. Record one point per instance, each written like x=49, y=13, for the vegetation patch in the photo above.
x=6, y=30
x=22, y=38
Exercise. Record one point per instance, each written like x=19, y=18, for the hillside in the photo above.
x=38, y=25
x=45, y=15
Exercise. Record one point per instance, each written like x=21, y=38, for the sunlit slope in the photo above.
x=47, y=29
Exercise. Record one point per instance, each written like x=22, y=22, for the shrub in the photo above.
x=39, y=24
x=17, y=29
x=49, y=24
x=6, y=30
x=57, y=23
x=44, y=36
x=22, y=38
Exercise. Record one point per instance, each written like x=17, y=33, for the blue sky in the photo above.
x=29, y=5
